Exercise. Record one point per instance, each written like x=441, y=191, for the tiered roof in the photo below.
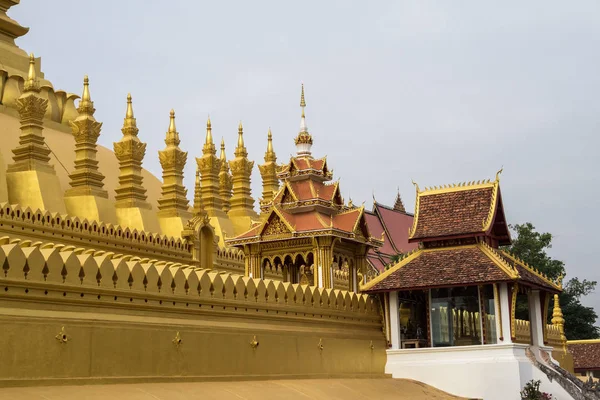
x=308, y=204
x=460, y=228
x=457, y=211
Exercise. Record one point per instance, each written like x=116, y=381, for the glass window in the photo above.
x=455, y=317
x=489, y=308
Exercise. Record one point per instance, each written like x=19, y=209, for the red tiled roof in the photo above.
x=586, y=354
x=525, y=273
x=376, y=262
x=346, y=221
x=394, y=224
x=451, y=213
x=376, y=229
x=467, y=265
x=397, y=225
x=308, y=189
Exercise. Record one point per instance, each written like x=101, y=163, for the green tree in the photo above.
x=530, y=246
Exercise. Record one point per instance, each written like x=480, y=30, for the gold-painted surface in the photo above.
x=132, y=207
x=334, y=387
x=87, y=197
x=268, y=172
x=173, y=205
x=31, y=179
x=121, y=314
x=225, y=180
x=242, y=204
x=209, y=166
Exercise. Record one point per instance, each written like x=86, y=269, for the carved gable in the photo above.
x=287, y=197
x=275, y=226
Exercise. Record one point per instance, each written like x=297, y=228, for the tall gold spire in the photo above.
x=130, y=152
x=398, y=204
x=304, y=140
x=209, y=166
x=198, y=207
x=31, y=161
x=225, y=183
x=172, y=138
x=209, y=138
x=268, y=172
x=241, y=148
x=87, y=197
x=31, y=84
x=209, y=146
x=173, y=201
x=242, y=203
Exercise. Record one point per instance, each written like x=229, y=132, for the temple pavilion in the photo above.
x=306, y=231
x=454, y=298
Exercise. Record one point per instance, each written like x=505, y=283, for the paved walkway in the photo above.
x=303, y=389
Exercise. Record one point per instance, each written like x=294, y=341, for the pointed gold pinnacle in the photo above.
x=209, y=138
x=172, y=128
x=129, y=113
x=31, y=84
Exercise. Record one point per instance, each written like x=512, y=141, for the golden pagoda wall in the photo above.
x=80, y=317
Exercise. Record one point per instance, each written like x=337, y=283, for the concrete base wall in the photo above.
x=490, y=372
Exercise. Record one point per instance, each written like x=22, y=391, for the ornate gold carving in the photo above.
x=177, y=341
x=320, y=345
x=172, y=160
x=62, y=336
x=254, y=343
x=275, y=226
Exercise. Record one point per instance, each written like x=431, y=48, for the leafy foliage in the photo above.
x=531, y=391
x=530, y=246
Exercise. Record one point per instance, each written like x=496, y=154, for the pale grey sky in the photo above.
x=436, y=91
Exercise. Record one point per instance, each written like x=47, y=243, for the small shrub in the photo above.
x=531, y=391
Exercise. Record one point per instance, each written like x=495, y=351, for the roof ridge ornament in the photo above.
x=304, y=140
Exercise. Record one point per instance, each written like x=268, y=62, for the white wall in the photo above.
x=490, y=372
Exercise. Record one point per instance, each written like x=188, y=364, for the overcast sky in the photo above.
x=439, y=92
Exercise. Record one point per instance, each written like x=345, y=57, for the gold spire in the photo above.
x=129, y=113
x=86, y=105
x=172, y=138
x=240, y=150
x=302, y=102
x=31, y=84
x=304, y=139
x=270, y=154
x=268, y=172
x=225, y=183
x=240, y=142
x=269, y=141
x=130, y=152
x=209, y=138
x=173, y=201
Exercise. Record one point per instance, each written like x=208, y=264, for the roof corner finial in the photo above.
x=416, y=185
x=498, y=174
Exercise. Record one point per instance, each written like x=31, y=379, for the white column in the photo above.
x=535, y=319
x=505, y=299
x=394, y=320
